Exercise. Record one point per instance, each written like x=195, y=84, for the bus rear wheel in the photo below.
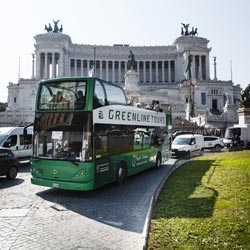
x=158, y=160
x=121, y=174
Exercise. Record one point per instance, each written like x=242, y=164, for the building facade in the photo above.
x=159, y=74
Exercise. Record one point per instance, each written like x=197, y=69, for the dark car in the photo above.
x=8, y=163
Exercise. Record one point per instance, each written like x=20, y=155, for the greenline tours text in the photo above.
x=135, y=117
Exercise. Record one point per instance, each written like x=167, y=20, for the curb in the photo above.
x=154, y=198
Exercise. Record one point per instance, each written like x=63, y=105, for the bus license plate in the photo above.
x=55, y=185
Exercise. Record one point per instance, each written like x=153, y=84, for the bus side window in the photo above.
x=96, y=102
x=138, y=140
x=158, y=136
x=99, y=96
x=101, y=142
x=146, y=140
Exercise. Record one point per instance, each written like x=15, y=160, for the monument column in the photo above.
x=60, y=64
x=200, y=68
x=119, y=72
x=144, y=72
x=100, y=63
x=113, y=71
x=169, y=71
x=107, y=70
x=194, y=73
x=207, y=73
x=75, y=68
x=156, y=72
x=163, y=71
x=46, y=66
x=150, y=72
x=87, y=67
x=53, y=55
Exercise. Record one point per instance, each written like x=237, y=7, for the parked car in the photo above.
x=213, y=142
x=13, y=138
x=8, y=163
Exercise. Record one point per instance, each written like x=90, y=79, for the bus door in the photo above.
x=103, y=165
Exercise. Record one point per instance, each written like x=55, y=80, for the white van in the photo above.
x=12, y=138
x=187, y=145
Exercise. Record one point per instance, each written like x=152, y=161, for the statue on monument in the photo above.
x=56, y=29
x=48, y=28
x=131, y=61
x=245, y=97
x=185, y=32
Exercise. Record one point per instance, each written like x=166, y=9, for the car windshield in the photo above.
x=231, y=133
x=181, y=141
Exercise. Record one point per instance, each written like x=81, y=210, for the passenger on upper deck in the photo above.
x=59, y=97
x=96, y=102
x=80, y=101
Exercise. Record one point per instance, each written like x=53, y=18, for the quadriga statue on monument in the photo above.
x=245, y=97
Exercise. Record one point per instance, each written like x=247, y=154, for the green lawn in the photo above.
x=205, y=204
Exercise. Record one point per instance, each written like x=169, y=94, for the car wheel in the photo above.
x=201, y=152
x=158, y=160
x=12, y=172
x=217, y=148
x=121, y=174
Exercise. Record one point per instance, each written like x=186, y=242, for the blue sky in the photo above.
x=225, y=23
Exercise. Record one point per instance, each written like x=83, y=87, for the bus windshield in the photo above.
x=63, y=136
x=66, y=95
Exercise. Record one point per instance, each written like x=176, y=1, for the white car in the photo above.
x=187, y=145
x=213, y=142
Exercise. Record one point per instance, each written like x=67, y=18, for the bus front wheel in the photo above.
x=158, y=160
x=121, y=174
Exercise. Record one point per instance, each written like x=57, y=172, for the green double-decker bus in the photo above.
x=85, y=135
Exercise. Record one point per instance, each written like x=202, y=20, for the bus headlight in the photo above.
x=37, y=171
x=80, y=173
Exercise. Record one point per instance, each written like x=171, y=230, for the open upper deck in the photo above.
x=85, y=93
